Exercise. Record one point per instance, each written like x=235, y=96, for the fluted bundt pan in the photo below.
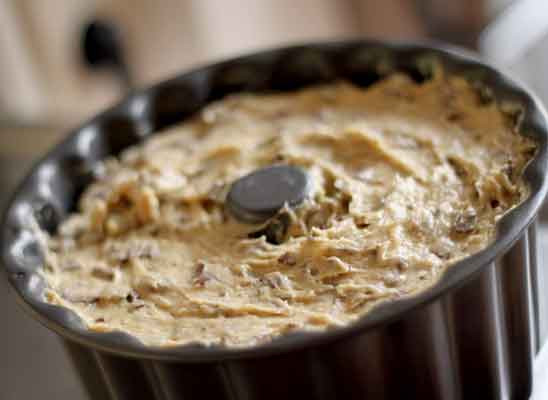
x=473, y=335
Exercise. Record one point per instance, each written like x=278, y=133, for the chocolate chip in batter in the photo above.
x=509, y=170
x=200, y=276
x=123, y=252
x=103, y=272
x=208, y=205
x=402, y=265
x=515, y=114
x=288, y=259
x=484, y=92
x=454, y=116
x=466, y=222
x=318, y=219
x=457, y=166
x=275, y=230
x=441, y=251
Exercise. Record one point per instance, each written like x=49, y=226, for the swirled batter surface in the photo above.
x=407, y=179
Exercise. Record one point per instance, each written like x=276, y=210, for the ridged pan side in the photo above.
x=476, y=342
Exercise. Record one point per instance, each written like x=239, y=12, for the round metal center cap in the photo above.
x=259, y=195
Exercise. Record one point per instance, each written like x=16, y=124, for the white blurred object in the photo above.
x=518, y=41
x=540, y=386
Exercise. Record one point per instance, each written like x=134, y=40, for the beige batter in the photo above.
x=407, y=179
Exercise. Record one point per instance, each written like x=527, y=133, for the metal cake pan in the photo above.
x=471, y=335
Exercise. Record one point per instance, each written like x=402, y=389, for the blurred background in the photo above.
x=48, y=83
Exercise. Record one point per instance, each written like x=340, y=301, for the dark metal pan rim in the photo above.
x=509, y=228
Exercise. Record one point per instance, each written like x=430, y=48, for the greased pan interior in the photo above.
x=50, y=190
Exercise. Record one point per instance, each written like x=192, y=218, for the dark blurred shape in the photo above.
x=102, y=47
